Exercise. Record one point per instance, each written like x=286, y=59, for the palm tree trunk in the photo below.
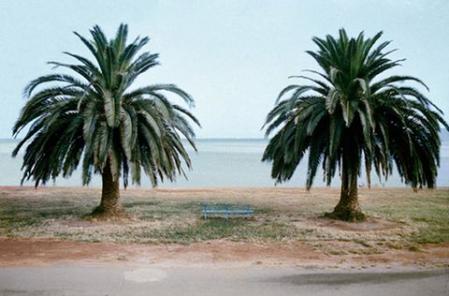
x=110, y=205
x=348, y=208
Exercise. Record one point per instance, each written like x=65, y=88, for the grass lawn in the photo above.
x=399, y=218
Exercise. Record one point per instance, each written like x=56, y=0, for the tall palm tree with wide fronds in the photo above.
x=93, y=116
x=351, y=116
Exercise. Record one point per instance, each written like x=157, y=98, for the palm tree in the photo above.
x=353, y=115
x=94, y=117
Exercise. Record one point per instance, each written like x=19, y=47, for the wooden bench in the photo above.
x=226, y=211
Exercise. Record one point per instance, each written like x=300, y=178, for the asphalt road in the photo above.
x=151, y=280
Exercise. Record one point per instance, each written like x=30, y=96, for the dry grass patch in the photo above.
x=398, y=218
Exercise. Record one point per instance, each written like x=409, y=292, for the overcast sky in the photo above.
x=233, y=56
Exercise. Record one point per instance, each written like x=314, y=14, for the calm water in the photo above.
x=218, y=163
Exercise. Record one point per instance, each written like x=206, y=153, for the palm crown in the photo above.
x=94, y=117
x=352, y=111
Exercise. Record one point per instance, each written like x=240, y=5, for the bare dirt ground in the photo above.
x=32, y=252
x=46, y=226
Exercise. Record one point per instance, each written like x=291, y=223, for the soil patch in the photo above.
x=19, y=252
x=371, y=224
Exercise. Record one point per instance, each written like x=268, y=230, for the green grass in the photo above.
x=233, y=229
x=427, y=211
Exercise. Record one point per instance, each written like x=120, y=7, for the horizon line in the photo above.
x=202, y=138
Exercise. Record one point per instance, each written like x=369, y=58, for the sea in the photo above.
x=217, y=163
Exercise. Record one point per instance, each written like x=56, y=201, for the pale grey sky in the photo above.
x=233, y=56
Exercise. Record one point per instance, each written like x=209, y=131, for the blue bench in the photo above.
x=226, y=211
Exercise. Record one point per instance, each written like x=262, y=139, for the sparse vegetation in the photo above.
x=427, y=211
x=400, y=219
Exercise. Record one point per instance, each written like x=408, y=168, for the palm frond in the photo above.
x=350, y=112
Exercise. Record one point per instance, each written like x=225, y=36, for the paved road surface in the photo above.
x=184, y=281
